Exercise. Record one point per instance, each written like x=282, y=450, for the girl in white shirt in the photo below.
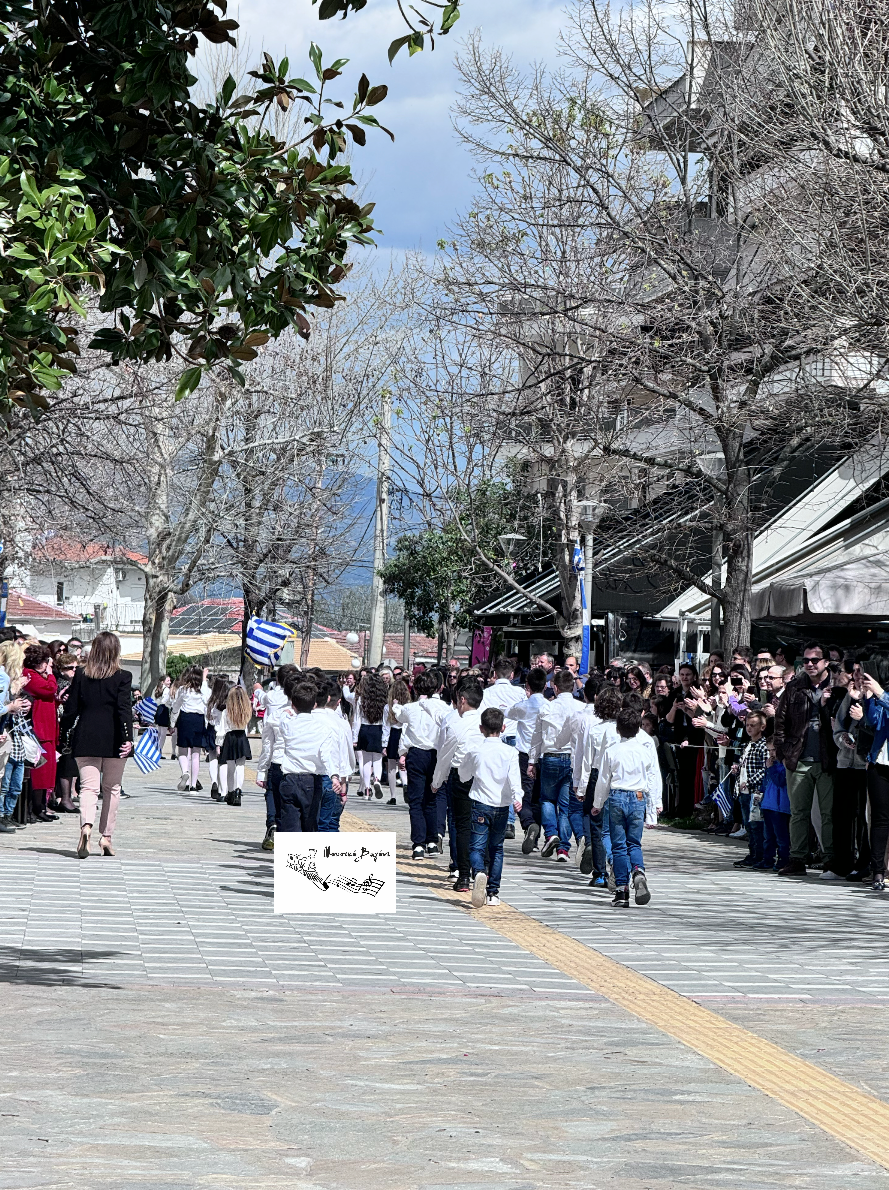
x=188, y=715
x=215, y=707
x=367, y=732
x=234, y=747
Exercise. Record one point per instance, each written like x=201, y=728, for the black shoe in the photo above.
x=878, y=884
x=198, y=787
x=6, y=827
x=214, y=792
x=532, y=834
x=796, y=867
x=123, y=793
x=549, y=846
x=392, y=802
x=640, y=888
x=855, y=877
x=237, y=800
x=230, y=798
x=268, y=843
x=586, y=861
x=419, y=853
x=510, y=831
x=435, y=848
x=621, y=898
x=68, y=808
x=746, y=862
x=462, y=885
x=43, y=816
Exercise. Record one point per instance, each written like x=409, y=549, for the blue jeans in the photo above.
x=272, y=795
x=510, y=740
x=486, y=848
x=555, y=800
x=599, y=838
x=626, y=822
x=777, y=837
x=330, y=809
x=12, y=786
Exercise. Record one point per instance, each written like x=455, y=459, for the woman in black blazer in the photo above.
x=98, y=725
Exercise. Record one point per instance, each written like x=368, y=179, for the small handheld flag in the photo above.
x=265, y=640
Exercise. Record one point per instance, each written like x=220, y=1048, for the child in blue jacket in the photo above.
x=775, y=808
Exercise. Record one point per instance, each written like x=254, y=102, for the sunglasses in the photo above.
x=814, y=660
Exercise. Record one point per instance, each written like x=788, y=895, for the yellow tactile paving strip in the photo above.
x=852, y=1116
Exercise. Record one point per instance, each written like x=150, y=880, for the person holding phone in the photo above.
x=876, y=712
x=853, y=738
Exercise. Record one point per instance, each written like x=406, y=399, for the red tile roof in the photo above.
x=23, y=608
x=68, y=549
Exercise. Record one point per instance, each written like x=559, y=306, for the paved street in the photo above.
x=167, y=1031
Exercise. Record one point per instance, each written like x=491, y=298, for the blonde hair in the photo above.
x=104, y=656
x=12, y=658
x=238, y=708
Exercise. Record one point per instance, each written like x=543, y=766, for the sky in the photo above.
x=424, y=178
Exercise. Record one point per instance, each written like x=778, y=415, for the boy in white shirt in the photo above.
x=420, y=722
x=310, y=751
x=629, y=776
x=493, y=769
x=332, y=803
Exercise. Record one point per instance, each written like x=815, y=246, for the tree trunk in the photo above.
x=309, y=621
x=738, y=538
x=716, y=584
x=159, y=603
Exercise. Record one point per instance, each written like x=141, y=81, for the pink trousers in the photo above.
x=106, y=771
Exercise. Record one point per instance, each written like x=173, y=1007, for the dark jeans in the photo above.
x=300, y=795
x=686, y=775
x=427, y=810
x=777, y=838
x=851, y=848
x=272, y=795
x=555, y=800
x=626, y=822
x=530, y=811
x=756, y=835
x=878, y=795
x=596, y=828
x=486, y=853
x=330, y=809
x=461, y=808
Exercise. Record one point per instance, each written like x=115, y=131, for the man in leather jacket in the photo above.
x=804, y=743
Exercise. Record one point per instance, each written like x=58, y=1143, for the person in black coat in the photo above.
x=98, y=728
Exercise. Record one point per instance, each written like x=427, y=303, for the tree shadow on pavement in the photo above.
x=50, y=966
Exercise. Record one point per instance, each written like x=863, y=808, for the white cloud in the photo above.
x=423, y=179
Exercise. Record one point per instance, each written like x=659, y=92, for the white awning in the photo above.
x=858, y=587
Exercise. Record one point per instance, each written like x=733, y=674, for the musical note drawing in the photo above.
x=305, y=866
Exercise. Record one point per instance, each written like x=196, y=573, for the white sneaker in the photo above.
x=740, y=833
x=493, y=901
x=561, y=858
x=479, y=887
x=183, y=782
x=579, y=850
x=828, y=875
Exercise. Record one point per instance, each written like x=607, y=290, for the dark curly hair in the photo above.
x=36, y=655
x=372, y=694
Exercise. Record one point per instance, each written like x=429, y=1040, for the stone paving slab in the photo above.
x=235, y=1087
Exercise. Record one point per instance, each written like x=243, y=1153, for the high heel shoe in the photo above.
x=83, y=847
x=105, y=845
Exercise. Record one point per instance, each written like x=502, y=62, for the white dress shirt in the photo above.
x=502, y=695
x=309, y=745
x=494, y=769
x=459, y=738
x=419, y=722
x=190, y=702
x=342, y=733
x=594, y=739
x=548, y=731
x=525, y=715
x=272, y=746
x=630, y=764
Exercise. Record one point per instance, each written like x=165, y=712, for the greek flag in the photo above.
x=722, y=795
x=578, y=564
x=145, y=710
x=577, y=561
x=265, y=640
x=148, y=754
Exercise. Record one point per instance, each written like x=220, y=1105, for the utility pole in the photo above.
x=381, y=525
x=406, y=646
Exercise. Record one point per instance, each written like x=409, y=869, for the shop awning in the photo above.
x=858, y=587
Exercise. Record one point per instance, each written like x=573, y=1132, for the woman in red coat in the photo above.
x=41, y=688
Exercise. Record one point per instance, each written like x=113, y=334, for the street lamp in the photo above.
x=508, y=542
x=590, y=512
x=351, y=638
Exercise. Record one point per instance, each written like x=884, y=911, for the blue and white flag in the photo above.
x=145, y=710
x=578, y=564
x=148, y=753
x=265, y=640
x=577, y=560
x=723, y=797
